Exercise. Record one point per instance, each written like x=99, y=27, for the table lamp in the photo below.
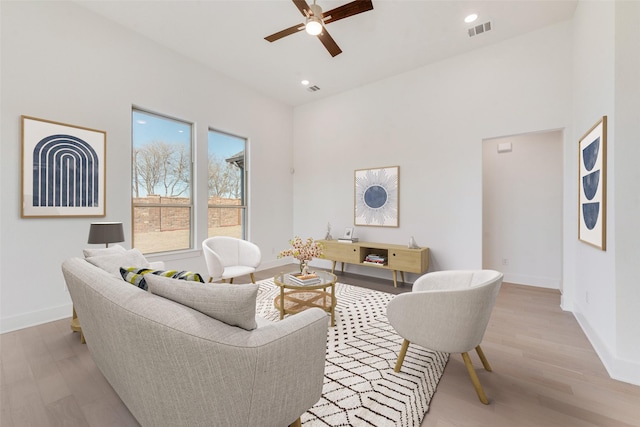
x=106, y=232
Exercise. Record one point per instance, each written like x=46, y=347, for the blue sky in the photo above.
x=149, y=127
x=225, y=145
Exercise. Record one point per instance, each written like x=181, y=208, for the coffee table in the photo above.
x=298, y=297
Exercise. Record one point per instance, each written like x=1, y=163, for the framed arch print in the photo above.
x=376, y=196
x=592, y=186
x=63, y=170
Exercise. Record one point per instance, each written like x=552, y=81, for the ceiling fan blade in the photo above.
x=329, y=43
x=347, y=10
x=284, y=33
x=302, y=7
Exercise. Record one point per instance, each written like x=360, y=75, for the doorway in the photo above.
x=522, y=180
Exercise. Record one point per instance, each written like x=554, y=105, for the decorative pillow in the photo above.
x=136, y=275
x=115, y=249
x=234, y=305
x=112, y=263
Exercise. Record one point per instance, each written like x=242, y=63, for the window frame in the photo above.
x=244, y=196
x=192, y=184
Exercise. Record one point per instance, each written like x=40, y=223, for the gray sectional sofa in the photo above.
x=174, y=366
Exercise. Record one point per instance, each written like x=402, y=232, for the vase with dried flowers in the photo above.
x=303, y=250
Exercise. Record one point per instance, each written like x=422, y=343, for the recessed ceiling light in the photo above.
x=471, y=18
x=305, y=82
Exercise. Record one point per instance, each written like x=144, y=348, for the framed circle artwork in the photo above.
x=376, y=196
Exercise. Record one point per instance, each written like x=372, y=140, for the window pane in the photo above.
x=161, y=229
x=226, y=222
x=227, y=176
x=161, y=176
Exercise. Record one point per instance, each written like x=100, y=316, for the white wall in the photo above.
x=605, y=291
x=63, y=63
x=627, y=175
x=522, y=208
x=430, y=122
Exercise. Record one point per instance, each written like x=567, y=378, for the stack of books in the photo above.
x=375, y=259
x=308, y=279
x=348, y=239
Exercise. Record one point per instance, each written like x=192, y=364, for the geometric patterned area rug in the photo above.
x=360, y=387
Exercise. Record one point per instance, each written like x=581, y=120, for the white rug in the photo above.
x=360, y=386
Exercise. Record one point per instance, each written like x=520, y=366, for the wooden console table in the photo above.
x=399, y=258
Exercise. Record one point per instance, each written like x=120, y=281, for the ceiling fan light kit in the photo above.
x=316, y=21
x=313, y=25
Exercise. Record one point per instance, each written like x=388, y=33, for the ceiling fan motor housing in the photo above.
x=315, y=10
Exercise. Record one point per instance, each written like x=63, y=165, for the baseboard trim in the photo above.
x=540, y=282
x=619, y=369
x=34, y=318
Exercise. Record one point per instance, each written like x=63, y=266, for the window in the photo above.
x=161, y=183
x=227, y=189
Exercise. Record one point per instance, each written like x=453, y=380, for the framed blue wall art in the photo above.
x=63, y=170
x=592, y=186
x=376, y=196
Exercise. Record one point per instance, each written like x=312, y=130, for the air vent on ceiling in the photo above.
x=313, y=88
x=479, y=29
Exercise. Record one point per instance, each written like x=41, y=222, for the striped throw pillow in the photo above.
x=135, y=275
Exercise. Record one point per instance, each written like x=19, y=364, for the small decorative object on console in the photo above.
x=328, y=235
x=347, y=237
x=413, y=244
x=344, y=240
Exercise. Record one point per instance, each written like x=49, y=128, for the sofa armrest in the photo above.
x=157, y=265
x=291, y=366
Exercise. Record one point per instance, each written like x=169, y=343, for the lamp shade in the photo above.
x=106, y=232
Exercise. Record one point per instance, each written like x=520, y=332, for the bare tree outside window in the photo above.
x=161, y=183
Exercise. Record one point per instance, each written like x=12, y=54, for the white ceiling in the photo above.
x=396, y=36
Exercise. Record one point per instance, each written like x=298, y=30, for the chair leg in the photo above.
x=474, y=378
x=403, y=353
x=231, y=281
x=253, y=278
x=296, y=423
x=483, y=358
x=210, y=279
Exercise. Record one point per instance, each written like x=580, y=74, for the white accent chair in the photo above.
x=447, y=311
x=229, y=257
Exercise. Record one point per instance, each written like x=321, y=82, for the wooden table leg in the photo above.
x=281, y=302
x=75, y=326
x=333, y=268
x=333, y=303
x=402, y=276
x=395, y=278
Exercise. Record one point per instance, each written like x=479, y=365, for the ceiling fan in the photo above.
x=315, y=21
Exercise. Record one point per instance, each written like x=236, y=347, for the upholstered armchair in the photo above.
x=447, y=311
x=228, y=257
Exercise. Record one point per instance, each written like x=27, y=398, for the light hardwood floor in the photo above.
x=545, y=373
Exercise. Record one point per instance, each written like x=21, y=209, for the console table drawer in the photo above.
x=343, y=252
x=411, y=261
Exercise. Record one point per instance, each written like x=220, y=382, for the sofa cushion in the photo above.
x=112, y=262
x=136, y=275
x=234, y=305
x=115, y=249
